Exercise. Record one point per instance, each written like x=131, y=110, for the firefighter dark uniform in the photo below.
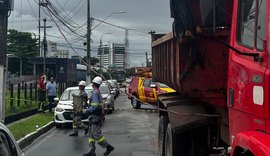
x=95, y=120
x=79, y=102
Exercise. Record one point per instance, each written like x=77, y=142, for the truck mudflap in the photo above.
x=255, y=142
x=189, y=116
x=185, y=113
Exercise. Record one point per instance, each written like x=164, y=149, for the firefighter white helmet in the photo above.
x=97, y=80
x=82, y=83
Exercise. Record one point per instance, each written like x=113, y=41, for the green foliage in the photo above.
x=130, y=71
x=21, y=44
x=23, y=127
x=93, y=60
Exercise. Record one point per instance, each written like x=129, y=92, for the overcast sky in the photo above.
x=141, y=17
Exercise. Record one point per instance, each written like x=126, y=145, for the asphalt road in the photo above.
x=131, y=132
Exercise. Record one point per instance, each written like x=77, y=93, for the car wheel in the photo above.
x=135, y=103
x=58, y=125
x=109, y=110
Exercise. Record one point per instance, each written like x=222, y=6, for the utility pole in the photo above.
x=39, y=28
x=40, y=4
x=88, y=40
x=4, y=8
x=45, y=46
x=147, y=62
x=126, y=48
x=100, y=53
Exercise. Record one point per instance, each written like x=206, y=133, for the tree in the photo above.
x=93, y=60
x=21, y=44
x=130, y=71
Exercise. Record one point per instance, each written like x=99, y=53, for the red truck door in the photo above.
x=246, y=76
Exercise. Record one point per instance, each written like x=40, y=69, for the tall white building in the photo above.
x=118, y=55
x=112, y=55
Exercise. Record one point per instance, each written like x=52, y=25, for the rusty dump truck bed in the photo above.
x=195, y=69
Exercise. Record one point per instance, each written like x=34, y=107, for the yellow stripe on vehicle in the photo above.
x=141, y=95
x=168, y=90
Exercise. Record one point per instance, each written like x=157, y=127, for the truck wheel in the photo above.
x=171, y=143
x=135, y=103
x=189, y=143
x=162, y=128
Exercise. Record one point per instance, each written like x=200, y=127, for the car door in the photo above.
x=141, y=93
x=149, y=92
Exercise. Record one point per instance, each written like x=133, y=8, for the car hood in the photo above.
x=65, y=104
x=168, y=90
x=165, y=90
x=104, y=96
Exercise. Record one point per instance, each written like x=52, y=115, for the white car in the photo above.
x=115, y=87
x=8, y=146
x=107, y=97
x=63, y=113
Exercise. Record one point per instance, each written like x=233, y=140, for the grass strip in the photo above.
x=23, y=127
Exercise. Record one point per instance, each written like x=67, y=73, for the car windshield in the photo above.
x=67, y=95
x=104, y=89
x=163, y=85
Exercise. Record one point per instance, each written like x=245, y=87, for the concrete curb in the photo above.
x=29, y=138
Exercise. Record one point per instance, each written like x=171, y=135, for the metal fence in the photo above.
x=23, y=96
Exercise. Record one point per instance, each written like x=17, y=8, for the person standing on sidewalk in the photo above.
x=51, y=88
x=41, y=93
x=95, y=120
x=79, y=102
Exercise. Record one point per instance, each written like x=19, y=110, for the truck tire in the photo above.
x=135, y=103
x=189, y=143
x=171, y=145
x=162, y=129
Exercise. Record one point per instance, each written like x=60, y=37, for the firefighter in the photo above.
x=79, y=102
x=95, y=121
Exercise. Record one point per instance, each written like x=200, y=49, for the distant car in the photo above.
x=8, y=146
x=63, y=113
x=115, y=87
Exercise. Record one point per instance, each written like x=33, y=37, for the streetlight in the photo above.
x=100, y=41
x=116, y=12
